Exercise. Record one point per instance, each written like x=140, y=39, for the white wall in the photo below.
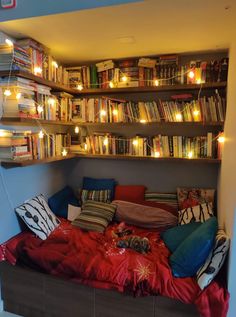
x=227, y=179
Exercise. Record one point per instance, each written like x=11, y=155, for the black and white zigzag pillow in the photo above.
x=38, y=216
x=199, y=213
x=214, y=261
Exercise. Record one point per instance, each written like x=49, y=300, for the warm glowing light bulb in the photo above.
x=54, y=64
x=64, y=152
x=157, y=154
x=221, y=139
x=156, y=82
x=143, y=121
x=2, y=133
x=115, y=112
x=37, y=70
x=124, y=78
x=77, y=129
x=105, y=141
x=198, y=81
x=9, y=42
x=196, y=113
x=190, y=154
x=191, y=74
x=40, y=109
x=111, y=84
x=85, y=146
x=51, y=101
x=178, y=117
x=7, y=92
x=135, y=142
x=80, y=87
x=41, y=134
x=103, y=113
x=18, y=95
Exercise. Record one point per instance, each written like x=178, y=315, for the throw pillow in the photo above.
x=129, y=192
x=95, y=216
x=189, y=197
x=215, y=260
x=38, y=216
x=175, y=236
x=99, y=184
x=59, y=201
x=97, y=195
x=169, y=199
x=194, y=250
x=199, y=213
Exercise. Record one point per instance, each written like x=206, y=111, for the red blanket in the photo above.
x=93, y=258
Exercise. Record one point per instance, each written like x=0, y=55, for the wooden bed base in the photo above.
x=32, y=294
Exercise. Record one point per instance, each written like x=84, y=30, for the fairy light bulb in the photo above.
x=156, y=82
x=76, y=129
x=85, y=146
x=64, y=152
x=190, y=154
x=111, y=84
x=196, y=113
x=37, y=70
x=18, y=95
x=41, y=134
x=51, y=101
x=221, y=139
x=115, y=112
x=80, y=87
x=143, y=121
x=54, y=64
x=178, y=117
x=124, y=78
x=2, y=133
x=135, y=142
x=191, y=74
x=40, y=109
x=9, y=42
x=198, y=81
x=7, y=92
x=103, y=113
x=157, y=154
x=105, y=141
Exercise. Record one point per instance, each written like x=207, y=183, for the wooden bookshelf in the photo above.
x=23, y=163
x=31, y=121
x=149, y=158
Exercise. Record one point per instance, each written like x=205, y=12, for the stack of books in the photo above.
x=63, y=106
x=14, y=58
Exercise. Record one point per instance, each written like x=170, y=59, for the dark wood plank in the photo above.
x=169, y=307
x=31, y=121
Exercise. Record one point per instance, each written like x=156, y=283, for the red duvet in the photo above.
x=93, y=258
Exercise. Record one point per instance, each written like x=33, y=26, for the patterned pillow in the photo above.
x=215, y=260
x=95, y=216
x=199, y=213
x=38, y=216
x=189, y=197
x=97, y=195
x=166, y=198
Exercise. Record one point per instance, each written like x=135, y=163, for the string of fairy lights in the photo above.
x=115, y=112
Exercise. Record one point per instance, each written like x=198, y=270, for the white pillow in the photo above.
x=38, y=216
x=199, y=213
x=215, y=260
x=73, y=212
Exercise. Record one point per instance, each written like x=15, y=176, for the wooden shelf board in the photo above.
x=31, y=121
x=22, y=163
x=162, y=123
x=105, y=91
x=39, y=80
x=148, y=158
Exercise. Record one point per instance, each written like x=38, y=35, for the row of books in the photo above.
x=23, y=145
x=141, y=72
x=14, y=58
x=28, y=99
x=157, y=146
x=107, y=110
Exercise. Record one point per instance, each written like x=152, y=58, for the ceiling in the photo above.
x=144, y=28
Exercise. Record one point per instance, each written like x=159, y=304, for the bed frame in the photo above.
x=32, y=294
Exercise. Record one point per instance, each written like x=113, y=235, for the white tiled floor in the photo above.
x=5, y=314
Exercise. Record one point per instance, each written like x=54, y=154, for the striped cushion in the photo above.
x=95, y=216
x=166, y=198
x=200, y=213
x=98, y=195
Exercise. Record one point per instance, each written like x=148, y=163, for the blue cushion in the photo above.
x=175, y=236
x=60, y=200
x=99, y=184
x=193, y=251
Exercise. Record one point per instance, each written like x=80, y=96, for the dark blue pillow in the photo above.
x=99, y=184
x=193, y=251
x=175, y=236
x=60, y=200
